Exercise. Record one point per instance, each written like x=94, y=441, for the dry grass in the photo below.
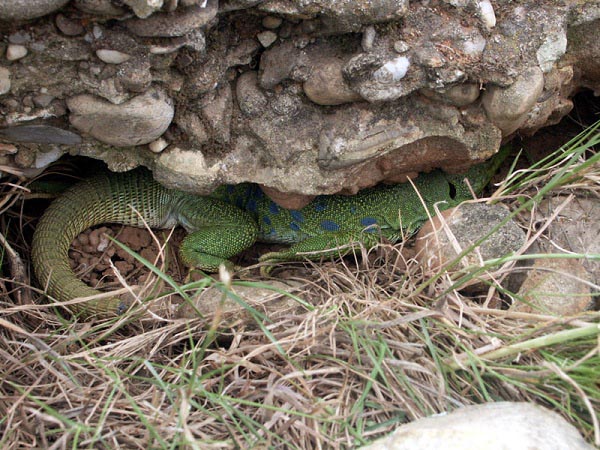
x=376, y=343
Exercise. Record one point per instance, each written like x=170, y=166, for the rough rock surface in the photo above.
x=493, y=426
x=305, y=98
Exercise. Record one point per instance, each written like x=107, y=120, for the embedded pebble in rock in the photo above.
x=44, y=158
x=67, y=26
x=138, y=121
x=507, y=107
x=489, y=426
x=250, y=97
x=40, y=134
x=401, y=47
x=460, y=95
x=7, y=149
x=158, y=145
x=4, y=80
x=13, y=10
x=439, y=242
x=112, y=56
x=266, y=38
x=215, y=109
x=15, y=52
x=271, y=22
x=99, y=7
x=143, y=8
x=326, y=84
x=179, y=22
x=555, y=286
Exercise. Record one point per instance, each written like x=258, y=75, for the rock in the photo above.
x=14, y=52
x=215, y=109
x=286, y=200
x=268, y=302
x=4, y=80
x=67, y=26
x=112, y=56
x=490, y=426
x=326, y=85
x=44, y=158
x=250, y=98
x=144, y=8
x=40, y=134
x=460, y=95
x=137, y=121
x=135, y=75
x=99, y=7
x=575, y=229
x=158, y=145
x=15, y=10
x=271, y=22
x=177, y=23
x=508, y=107
x=554, y=286
x=439, y=242
x=340, y=15
x=266, y=38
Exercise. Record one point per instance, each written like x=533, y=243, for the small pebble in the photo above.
x=266, y=38
x=158, y=145
x=112, y=56
x=4, y=80
x=15, y=52
x=401, y=47
x=67, y=26
x=271, y=22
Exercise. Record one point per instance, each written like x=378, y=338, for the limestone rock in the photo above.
x=178, y=23
x=554, y=286
x=28, y=9
x=440, y=241
x=490, y=426
x=4, y=80
x=326, y=85
x=136, y=122
x=575, y=229
x=508, y=107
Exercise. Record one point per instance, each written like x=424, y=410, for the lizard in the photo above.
x=233, y=218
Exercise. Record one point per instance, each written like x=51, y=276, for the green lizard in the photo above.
x=232, y=219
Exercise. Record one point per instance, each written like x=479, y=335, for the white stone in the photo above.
x=158, y=145
x=395, y=69
x=486, y=12
x=14, y=52
x=112, y=56
x=490, y=426
x=553, y=47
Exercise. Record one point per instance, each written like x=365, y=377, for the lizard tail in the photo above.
x=86, y=204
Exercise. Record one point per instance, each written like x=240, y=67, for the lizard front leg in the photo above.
x=335, y=244
x=217, y=230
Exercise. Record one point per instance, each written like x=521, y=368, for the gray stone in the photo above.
x=554, y=286
x=28, y=9
x=490, y=426
x=99, y=7
x=575, y=229
x=4, y=80
x=441, y=240
x=251, y=99
x=135, y=122
x=67, y=26
x=266, y=38
x=40, y=134
x=507, y=107
x=326, y=85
